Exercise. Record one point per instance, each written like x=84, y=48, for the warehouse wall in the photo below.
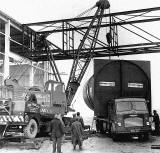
x=22, y=74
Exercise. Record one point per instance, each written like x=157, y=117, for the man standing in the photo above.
x=156, y=121
x=73, y=119
x=57, y=133
x=77, y=132
x=80, y=119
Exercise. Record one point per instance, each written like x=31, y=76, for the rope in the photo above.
x=18, y=63
x=85, y=11
x=59, y=27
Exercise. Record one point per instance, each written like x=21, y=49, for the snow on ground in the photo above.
x=95, y=144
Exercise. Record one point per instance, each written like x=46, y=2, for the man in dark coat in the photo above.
x=80, y=119
x=73, y=119
x=77, y=133
x=156, y=121
x=57, y=133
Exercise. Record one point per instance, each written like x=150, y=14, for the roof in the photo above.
x=7, y=17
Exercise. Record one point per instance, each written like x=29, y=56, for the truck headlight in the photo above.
x=119, y=124
x=147, y=123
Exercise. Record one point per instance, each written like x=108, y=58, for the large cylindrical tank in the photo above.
x=115, y=79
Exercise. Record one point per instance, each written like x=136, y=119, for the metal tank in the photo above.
x=88, y=91
x=114, y=79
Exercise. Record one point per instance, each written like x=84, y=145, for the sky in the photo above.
x=27, y=11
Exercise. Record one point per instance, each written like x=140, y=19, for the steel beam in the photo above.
x=90, y=17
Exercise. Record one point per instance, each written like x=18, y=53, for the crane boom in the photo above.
x=79, y=66
x=46, y=45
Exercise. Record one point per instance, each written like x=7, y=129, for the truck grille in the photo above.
x=133, y=121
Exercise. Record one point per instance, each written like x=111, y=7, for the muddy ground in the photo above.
x=94, y=144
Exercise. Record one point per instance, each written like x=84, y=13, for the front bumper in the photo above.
x=133, y=130
x=11, y=127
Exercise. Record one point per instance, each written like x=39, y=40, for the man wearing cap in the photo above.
x=77, y=133
x=80, y=119
x=57, y=133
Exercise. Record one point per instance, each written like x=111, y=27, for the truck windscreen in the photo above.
x=139, y=106
x=124, y=106
x=127, y=106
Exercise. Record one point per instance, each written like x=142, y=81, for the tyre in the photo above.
x=101, y=128
x=97, y=126
x=144, y=137
x=31, y=130
x=110, y=132
x=114, y=137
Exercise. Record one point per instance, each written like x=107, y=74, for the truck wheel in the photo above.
x=31, y=130
x=101, y=128
x=109, y=131
x=146, y=137
x=97, y=126
x=114, y=137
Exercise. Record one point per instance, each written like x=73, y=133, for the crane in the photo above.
x=79, y=66
x=82, y=55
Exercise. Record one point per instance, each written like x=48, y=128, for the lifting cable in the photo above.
x=18, y=63
x=24, y=70
x=80, y=15
x=59, y=27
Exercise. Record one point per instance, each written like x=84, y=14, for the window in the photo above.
x=131, y=105
x=2, y=43
x=139, y=106
x=2, y=36
x=2, y=26
x=124, y=106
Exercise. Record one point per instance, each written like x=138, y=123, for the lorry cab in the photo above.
x=129, y=116
x=28, y=111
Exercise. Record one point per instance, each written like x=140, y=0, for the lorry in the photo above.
x=119, y=93
x=27, y=112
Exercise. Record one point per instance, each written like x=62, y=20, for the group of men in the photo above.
x=77, y=127
x=57, y=131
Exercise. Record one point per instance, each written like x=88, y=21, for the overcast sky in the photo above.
x=27, y=11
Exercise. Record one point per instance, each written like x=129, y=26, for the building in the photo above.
x=13, y=61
